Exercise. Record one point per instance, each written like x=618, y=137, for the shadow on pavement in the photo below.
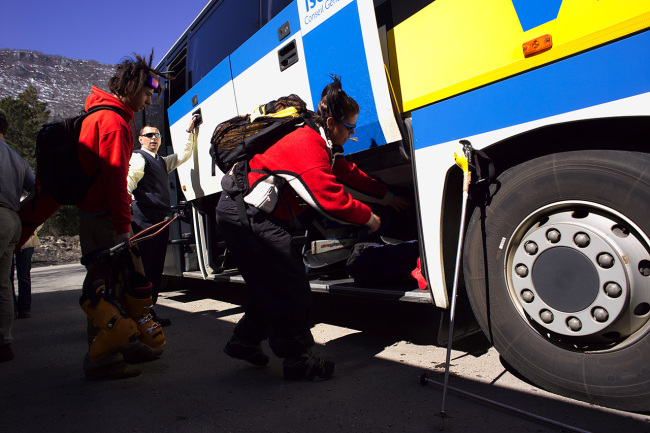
x=194, y=387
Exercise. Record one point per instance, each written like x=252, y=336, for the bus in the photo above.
x=556, y=94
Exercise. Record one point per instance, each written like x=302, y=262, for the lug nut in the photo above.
x=582, y=240
x=553, y=236
x=546, y=316
x=605, y=260
x=522, y=270
x=531, y=248
x=527, y=295
x=613, y=290
x=600, y=314
x=574, y=324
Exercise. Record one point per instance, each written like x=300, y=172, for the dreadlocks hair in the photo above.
x=334, y=102
x=132, y=75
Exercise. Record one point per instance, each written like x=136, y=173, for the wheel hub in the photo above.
x=579, y=274
x=565, y=279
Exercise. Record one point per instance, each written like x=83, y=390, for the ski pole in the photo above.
x=462, y=156
x=140, y=236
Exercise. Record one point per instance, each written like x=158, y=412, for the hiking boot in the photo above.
x=307, y=367
x=137, y=352
x=119, y=370
x=6, y=354
x=240, y=349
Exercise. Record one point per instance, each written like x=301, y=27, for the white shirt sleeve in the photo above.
x=136, y=172
x=173, y=161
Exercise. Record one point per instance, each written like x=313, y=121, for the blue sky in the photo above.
x=106, y=31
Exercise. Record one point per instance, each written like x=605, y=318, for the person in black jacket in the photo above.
x=147, y=182
x=300, y=171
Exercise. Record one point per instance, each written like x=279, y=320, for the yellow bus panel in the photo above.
x=452, y=46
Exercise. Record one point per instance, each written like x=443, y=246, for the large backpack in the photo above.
x=58, y=166
x=235, y=141
x=240, y=138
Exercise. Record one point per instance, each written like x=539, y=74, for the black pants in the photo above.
x=153, y=250
x=272, y=267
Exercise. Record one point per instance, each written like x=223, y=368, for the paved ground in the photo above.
x=381, y=351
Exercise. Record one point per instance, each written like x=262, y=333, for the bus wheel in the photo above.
x=557, y=269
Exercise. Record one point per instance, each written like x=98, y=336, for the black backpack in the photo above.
x=240, y=138
x=57, y=159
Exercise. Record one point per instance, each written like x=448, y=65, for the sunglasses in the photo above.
x=151, y=135
x=350, y=128
x=154, y=82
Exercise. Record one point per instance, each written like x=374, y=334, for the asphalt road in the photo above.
x=381, y=348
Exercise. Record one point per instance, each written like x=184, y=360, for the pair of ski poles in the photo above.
x=147, y=233
x=462, y=157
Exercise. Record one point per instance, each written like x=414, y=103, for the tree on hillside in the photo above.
x=26, y=115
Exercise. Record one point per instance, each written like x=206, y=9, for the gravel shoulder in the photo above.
x=56, y=250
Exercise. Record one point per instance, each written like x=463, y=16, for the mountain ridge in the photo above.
x=62, y=83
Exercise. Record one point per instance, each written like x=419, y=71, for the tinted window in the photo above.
x=153, y=115
x=176, y=87
x=229, y=26
x=271, y=8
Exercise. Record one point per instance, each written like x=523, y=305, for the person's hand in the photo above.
x=191, y=126
x=123, y=237
x=374, y=223
x=399, y=203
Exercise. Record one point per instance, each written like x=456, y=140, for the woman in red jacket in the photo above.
x=301, y=170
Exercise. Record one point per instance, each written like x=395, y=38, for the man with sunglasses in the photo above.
x=148, y=184
x=106, y=144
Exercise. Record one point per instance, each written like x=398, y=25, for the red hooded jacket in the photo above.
x=108, y=135
x=304, y=161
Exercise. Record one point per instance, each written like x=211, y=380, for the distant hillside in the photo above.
x=61, y=82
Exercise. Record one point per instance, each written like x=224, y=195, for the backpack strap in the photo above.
x=241, y=210
x=104, y=107
x=484, y=172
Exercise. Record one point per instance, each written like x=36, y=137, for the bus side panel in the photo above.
x=340, y=37
x=571, y=90
x=216, y=99
x=258, y=77
x=471, y=43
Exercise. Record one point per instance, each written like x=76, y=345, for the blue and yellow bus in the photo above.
x=556, y=257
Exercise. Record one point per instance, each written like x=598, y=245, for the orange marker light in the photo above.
x=537, y=45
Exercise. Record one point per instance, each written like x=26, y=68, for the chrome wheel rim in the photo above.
x=579, y=274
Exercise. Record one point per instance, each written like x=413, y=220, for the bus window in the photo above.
x=176, y=87
x=154, y=115
x=230, y=25
x=271, y=8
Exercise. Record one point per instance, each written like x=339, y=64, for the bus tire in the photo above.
x=556, y=268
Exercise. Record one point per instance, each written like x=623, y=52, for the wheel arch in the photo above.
x=608, y=364
x=614, y=133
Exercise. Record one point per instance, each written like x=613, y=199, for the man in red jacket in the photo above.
x=105, y=216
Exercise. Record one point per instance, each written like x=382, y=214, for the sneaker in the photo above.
x=240, y=349
x=138, y=352
x=119, y=370
x=307, y=367
x=24, y=315
x=6, y=354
